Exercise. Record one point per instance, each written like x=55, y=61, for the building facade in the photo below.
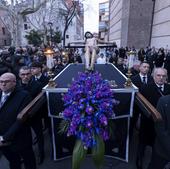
x=160, y=36
x=76, y=28
x=104, y=20
x=49, y=18
x=5, y=37
x=55, y=15
x=130, y=22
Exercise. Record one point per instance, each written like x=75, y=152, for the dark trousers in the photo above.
x=36, y=124
x=158, y=162
x=146, y=138
x=14, y=157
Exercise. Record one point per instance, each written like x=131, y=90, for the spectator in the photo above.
x=152, y=92
x=101, y=59
x=161, y=152
x=28, y=83
x=13, y=131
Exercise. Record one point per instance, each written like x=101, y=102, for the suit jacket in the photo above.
x=136, y=80
x=122, y=68
x=33, y=87
x=11, y=129
x=152, y=92
x=43, y=80
x=162, y=143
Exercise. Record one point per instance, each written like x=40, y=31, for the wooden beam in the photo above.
x=31, y=109
x=147, y=107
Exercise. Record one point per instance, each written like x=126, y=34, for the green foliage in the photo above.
x=79, y=153
x=34, y=37
x=63, y=127
x=57, y=37
x=98, y=152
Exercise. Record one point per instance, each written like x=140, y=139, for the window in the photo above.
x=3, y=30
x=5, y=43
x=25, y=26
x=24, y=19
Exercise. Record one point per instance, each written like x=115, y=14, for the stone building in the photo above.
x=130, y=22
x=5, y=38
x=140, y=23
x=161, y=24
x=52, y=20
x=103, y=20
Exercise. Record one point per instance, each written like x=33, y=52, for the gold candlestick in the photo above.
x=51, y=82
x=128, y=82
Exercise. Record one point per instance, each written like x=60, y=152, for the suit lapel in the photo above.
x=8, y=98
x=166, y=89
x=139, y=79
x=158, y=91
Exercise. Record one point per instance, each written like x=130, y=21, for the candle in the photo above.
x=131, y=59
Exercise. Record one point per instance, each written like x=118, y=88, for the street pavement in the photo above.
x=109, y=163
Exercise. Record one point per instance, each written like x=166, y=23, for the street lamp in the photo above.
x=50, y=25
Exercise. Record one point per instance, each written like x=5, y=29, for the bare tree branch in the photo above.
x=33, y=9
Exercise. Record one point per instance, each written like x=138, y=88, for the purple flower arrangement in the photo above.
x=89, y=104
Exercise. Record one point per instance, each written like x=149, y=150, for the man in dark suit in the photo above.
x=139, y=80
x=36, y=70
x=143, y=77
x=159, y=60
x=28, y=83
x=15, y=137
x=158, y=88
x=161, y=153
x=152, y=92
x=121, y=65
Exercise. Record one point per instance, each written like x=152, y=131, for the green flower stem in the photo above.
x=79, y=153
x=98, y=152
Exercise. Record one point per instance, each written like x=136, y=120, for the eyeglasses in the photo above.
x=6, y=81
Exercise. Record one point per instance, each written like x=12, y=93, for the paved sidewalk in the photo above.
x=109, y=163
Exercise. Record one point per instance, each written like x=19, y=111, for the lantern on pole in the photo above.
x=130, y=61
x=49, y=53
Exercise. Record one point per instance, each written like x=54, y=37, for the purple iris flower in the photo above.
x=89, y=103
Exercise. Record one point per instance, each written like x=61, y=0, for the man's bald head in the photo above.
x=7, y=82
x=8, y=75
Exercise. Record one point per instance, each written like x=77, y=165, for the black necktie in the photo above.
x=160, y=88
x=144, y=80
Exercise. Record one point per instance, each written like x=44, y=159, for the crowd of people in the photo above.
x=23, y=74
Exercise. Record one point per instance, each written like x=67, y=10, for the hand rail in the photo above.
x=32, y=107
x=29, y=111
x=147, y=107
x=37, y=102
